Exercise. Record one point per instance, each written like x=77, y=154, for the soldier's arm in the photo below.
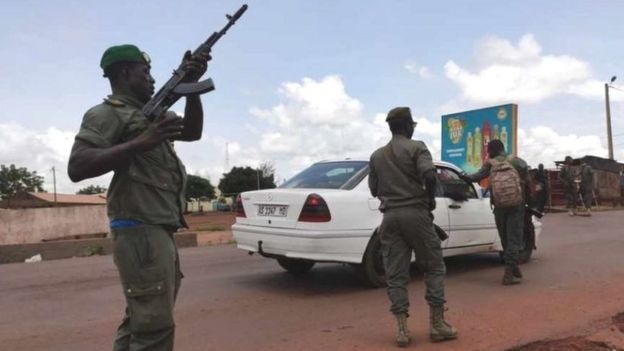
x=430, y=183
x=372, y=180
x=483, y=172
x=88, y=160
x=193, y=112
x=193, y=119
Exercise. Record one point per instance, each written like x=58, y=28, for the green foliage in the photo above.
x=241, y=179
x=198, y=187
x=92, y=190
x=13, y=179
x=93, y=250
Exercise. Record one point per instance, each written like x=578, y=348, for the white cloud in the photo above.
x=544, y=145
x=423, y=71
x=521, y=73
x=40, y=150
x=318, y=120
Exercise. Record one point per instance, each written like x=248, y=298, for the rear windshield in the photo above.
x=329, y=175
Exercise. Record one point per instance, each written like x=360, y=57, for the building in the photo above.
x=24, y=199
x=607, y=188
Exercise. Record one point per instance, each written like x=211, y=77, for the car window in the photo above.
x=450, y=183
x=329, y=175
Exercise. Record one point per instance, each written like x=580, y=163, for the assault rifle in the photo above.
x=174, y=89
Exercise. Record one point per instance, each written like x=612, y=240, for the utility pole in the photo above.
x=54, y=180
x=608, y=109
x=258, y=177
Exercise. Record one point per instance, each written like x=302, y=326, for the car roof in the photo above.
x=435, y=162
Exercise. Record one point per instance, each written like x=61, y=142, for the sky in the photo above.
x=303, y=81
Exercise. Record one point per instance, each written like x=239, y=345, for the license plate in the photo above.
x=272, y=210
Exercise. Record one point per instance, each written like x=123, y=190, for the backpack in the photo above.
x=505, y=184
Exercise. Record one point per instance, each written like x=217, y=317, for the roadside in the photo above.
x=205, y=229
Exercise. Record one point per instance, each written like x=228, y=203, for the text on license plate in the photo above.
x=272, y=210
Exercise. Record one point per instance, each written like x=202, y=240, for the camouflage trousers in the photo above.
x=510, y=225
x=571, y=197
x=588, y=196
x=149, y=269
x=403, y=231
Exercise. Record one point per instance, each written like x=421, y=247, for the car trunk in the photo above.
x=277, y=208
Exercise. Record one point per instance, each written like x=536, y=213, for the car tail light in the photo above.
x=315, y=210
x=240, y=210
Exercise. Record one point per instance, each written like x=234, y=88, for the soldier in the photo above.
x=402, y=176
x=509, y=219
x=587, y=187
x=566, y=176
x=541, y=179
x=146, y=195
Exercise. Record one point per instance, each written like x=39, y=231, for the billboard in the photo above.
x=465, y=135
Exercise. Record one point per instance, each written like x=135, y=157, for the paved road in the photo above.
x=232, y=301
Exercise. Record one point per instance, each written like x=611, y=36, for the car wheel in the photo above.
x=294, y=265
x=371, y=272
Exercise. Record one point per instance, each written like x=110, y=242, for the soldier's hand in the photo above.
x=195, y=65
x=167, y=128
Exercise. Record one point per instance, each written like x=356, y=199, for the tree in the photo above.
x=13, y=179
x=198, y=187
x=92, y=190
x=241, y=179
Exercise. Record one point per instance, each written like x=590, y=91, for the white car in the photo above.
x=327, y=214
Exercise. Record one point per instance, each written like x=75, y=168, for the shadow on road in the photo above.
x=335, y=278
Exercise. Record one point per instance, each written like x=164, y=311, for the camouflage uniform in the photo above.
x=406, y=224
x=148, y=194
x=587, y=185
x=509, y=221
x=566, y=176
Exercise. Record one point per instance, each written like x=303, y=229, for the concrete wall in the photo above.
x=34, y=225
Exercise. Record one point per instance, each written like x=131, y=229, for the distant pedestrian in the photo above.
x=509, y=178
x=587, y=187
x=402, y=176
x=567, y=178
x=541, y=184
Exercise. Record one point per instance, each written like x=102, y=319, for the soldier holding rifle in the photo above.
x=131, y=133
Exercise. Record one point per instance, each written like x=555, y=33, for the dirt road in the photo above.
x=232, y=301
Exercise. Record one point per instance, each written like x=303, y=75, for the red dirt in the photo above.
x=575, y=343
x=618, y=321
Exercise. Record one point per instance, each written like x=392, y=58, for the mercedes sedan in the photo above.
x=327, y=214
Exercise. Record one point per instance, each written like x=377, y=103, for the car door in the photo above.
x=470, y=216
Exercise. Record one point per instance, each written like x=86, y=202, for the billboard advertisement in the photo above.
x=465, y=135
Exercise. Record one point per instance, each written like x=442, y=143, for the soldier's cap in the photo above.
x=123, y=53
x=400, y=114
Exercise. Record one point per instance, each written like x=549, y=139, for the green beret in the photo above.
x=123, y=53
x=400, y=113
